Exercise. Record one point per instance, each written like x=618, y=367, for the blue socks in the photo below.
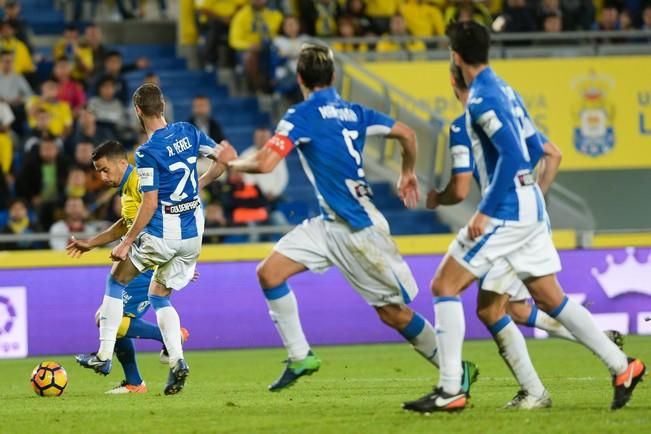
x=126, y=354
x=142, y=329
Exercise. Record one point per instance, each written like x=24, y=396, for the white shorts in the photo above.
x=174, y=260
x=527, y=249
x=369, y=258
x=501, y=279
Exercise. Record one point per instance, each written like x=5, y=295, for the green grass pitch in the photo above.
x=358, y=390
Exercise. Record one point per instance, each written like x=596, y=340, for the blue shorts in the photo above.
x=134, y=296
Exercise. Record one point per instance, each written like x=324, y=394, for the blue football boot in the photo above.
x=90, y=361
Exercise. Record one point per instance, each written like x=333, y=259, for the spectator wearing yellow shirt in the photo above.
x=398, y=28
x=380, y=12
x=8, y=42
x=252, y=29
x=467, y=10
x=77, y=50
x=215, y=18
x=319, y=17
x=347, y=29
x=6, y=145
x=60, y=122
x=422, y=17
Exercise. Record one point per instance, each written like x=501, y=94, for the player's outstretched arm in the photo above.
x=456, y=191
x=76, y=247
x=221, y=154
x=264, y=160
x=549, y=166
x=407, y=183
x=145, y=213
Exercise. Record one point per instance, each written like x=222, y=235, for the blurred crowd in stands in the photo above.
x=52, y=119
x=263, y=37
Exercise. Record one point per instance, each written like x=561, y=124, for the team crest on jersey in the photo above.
x=593, y=113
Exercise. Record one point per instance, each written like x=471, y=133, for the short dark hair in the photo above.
x=459, y=81
x=17, y=200
x=48, y=137
x=470, y=40
x=113, y=53
x=612, y=4
x=109, y=149
x=316, y=66
x=104, y=80
x=9, y=24
x=149, y=98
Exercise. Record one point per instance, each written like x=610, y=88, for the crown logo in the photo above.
x=625, y=277
x=593, y=86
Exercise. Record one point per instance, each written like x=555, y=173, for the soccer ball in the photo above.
x=49, y=379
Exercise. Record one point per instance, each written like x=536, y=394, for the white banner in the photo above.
x=13, y=322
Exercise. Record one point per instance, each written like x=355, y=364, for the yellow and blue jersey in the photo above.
x=136, y=301
x=130, y=195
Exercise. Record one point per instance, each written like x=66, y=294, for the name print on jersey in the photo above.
x=343, y=114
x=179, y=146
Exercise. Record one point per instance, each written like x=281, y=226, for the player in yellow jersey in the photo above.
x=110, y=160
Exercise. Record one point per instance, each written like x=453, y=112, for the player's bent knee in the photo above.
x=519, y=312
x=489, y=314
x=158, y=289
x=395, y=316
x=439, y=288
x=483, y=315
x=267, y=277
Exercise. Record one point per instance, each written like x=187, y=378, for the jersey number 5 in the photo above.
x=179, y=193
x=349, y=136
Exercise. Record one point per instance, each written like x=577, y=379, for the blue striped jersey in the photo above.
x=329, y=134
x=505, y=149
x=167, y=162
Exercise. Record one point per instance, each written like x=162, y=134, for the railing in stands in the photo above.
x=509, y=45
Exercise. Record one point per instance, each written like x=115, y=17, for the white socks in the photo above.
x=450, y=331
x=513, y=350
x=169, y=324
x=283, y=311
x=580, y=323
x=110, y=316
x=170, y=327
x=420, y=333
x=542, y=321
